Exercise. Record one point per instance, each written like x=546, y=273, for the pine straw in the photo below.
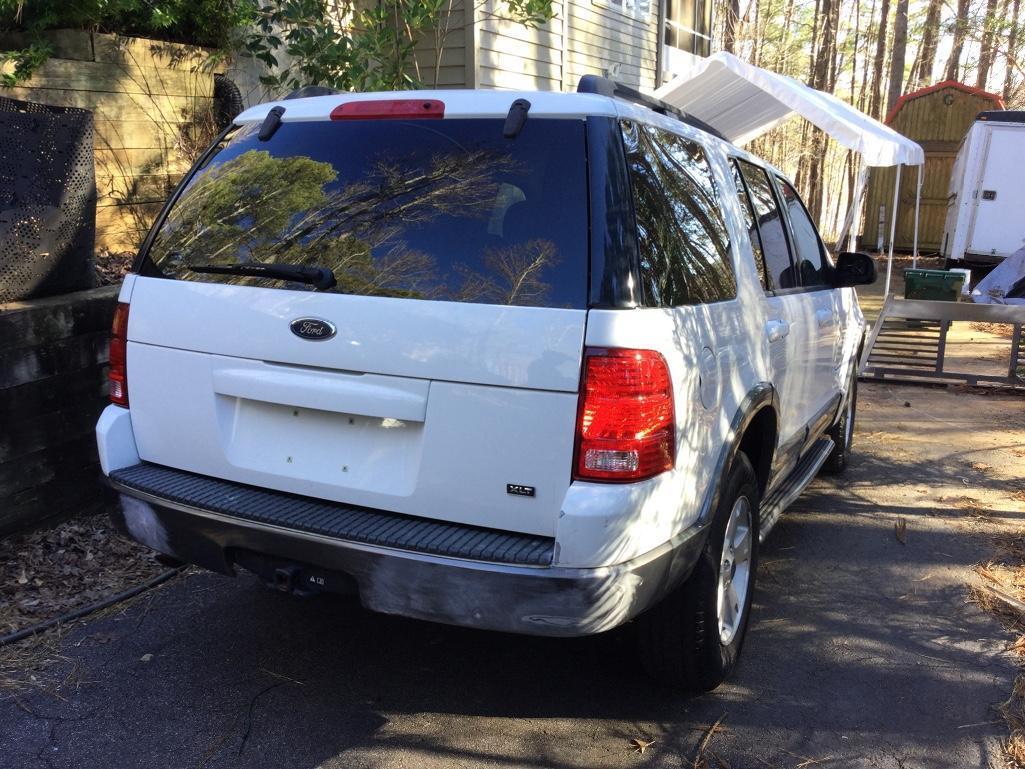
x=1013, y=713
x=46, y=574
x=25, y=666
x=1008, y=576
x=996, y=329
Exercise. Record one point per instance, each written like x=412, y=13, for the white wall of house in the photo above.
x=616, y=38
x=609, y=39
x=586, y=37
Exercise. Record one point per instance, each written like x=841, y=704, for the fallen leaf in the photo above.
x=146, y=658
x=900, y=530
x=640, y=745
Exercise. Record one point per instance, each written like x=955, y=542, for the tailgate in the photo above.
x=438, y=378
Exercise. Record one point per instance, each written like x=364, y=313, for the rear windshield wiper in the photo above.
x=319, y=277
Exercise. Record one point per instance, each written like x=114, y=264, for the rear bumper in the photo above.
x=536, y=600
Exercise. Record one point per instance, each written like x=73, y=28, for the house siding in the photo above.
x=601, y=37
x=453, y=71
x=512, y=56
x=584, y=38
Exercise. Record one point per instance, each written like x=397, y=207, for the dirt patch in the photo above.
x=46, y=574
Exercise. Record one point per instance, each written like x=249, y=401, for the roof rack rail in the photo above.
x=603, y=86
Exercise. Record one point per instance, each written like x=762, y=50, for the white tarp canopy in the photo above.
x=742, y=102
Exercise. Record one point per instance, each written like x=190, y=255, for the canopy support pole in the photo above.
x=893, y=228
x=918, y=203
x=850, y=223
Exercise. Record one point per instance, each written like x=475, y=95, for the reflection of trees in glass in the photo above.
x=232, y=210
x=512, y=275
x=684, y=242
x=774, y=240
x=754, y=237
x=261, y=208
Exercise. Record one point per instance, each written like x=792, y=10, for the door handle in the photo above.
x=824, y=318
x=776, y=329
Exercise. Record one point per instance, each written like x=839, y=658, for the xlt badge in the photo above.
x=519, y=490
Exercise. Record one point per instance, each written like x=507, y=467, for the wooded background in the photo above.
x=868, y=52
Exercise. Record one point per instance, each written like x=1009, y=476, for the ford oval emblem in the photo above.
x=312, y=328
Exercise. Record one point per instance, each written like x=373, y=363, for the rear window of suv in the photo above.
x=441, y=209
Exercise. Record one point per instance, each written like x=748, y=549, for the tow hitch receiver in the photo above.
x=295, y=578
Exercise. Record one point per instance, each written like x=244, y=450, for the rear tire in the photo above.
x=842, y=432
x=692, y=639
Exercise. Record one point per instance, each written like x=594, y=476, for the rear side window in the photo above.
x=775, y=247
x=442, y=209
x=811, y=254
x=750, y=224
x=683, y=242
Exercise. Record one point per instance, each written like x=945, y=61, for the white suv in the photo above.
x=536, y=362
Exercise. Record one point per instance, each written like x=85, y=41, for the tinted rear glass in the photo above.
x=439, y=209
x=684, y=244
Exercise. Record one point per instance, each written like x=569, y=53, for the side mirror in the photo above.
x=854, y=269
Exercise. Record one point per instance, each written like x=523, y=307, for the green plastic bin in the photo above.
x=938, y=285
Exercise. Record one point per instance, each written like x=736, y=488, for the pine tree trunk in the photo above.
x=823, y=78
x=816, y=44
x=954, y=60
x=784, y=48
x=730, y=29
x=900, y=44
x=832, y=64
x=875, y=103
x=1012, y=50
x=756, y=54
x=988, y=50
x=863, y=96
x=930, y=38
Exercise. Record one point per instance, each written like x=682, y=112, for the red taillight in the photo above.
x=389, y=109
x=118, y=375
x=626, y=425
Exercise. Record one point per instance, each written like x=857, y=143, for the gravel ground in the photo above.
x=863, y=652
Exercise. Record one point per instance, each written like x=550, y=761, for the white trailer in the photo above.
x=986, y=198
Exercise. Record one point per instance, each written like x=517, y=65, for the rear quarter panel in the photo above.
x=716, y=356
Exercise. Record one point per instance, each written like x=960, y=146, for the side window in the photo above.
x=683, y=241
x=750, y=223
x=811, y=255
x=775, y=246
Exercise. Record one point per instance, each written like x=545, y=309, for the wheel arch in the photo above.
x=749, y=430
x=758, y=442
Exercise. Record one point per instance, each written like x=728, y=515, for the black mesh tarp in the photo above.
x=47, y=200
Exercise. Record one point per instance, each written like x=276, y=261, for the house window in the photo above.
x=688, y=25
x=637, y=8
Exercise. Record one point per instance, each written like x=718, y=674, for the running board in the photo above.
x=790, y=489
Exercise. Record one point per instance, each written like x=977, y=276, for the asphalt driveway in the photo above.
x=863, y=652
